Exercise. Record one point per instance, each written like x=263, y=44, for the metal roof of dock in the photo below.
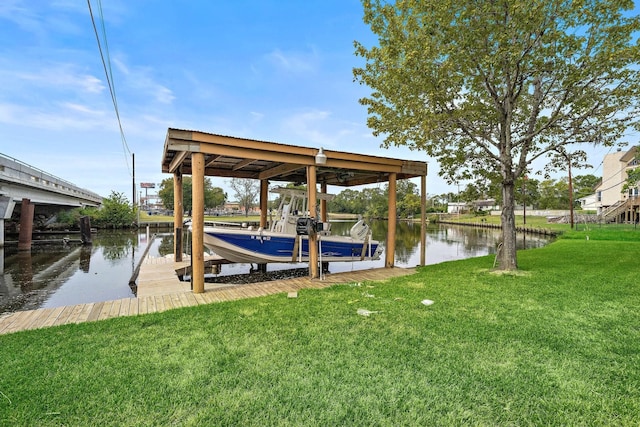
x=234, y=157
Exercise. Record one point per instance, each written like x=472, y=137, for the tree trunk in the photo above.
x=508, y=252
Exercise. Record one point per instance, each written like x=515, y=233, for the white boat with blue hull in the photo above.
x=287, y=240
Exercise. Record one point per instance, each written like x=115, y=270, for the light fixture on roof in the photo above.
x=321, y=158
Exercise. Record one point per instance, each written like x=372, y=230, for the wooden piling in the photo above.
x=85, y=230
x=26, y=225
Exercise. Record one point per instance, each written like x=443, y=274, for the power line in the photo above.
x=109, y=76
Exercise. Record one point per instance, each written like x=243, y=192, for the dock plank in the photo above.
x=133, y=306
x=6, y=321
x=159, y=303
x=53, y=317
x=115, y=309
x=95, y=312
x=186, y=302
x=83, y=316
x=64, y=315
x=124, y=307
x=22, y=321
x=75, y=313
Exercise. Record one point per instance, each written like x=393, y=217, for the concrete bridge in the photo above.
x=24, y=187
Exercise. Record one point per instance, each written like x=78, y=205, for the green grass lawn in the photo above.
x=557, y=343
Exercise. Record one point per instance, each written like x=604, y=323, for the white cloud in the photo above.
x=141, y=79
x=307, y=125
x=64, y=116
x=293, y=62
x=58, y=77
x=24, y=17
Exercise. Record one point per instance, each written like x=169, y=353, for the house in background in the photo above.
x=589, y=203
x=456, y=207
x=485, y=205
x=612, y=203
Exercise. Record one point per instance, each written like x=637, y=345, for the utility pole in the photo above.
x=133, y=193
x=524, y=200
x=570, y=193
x=568, y=157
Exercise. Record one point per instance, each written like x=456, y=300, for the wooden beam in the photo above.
x=414, y=168
x=176, y=135
x=243, y=163
x=252, y=153
x=363, y=166
x=211, y=160
x=177, y=160
x=227, y=173
x=279, y=170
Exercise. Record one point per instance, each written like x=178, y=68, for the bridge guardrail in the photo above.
x=33, y=176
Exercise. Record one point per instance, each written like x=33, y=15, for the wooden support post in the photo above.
x=197, y=222
x=423, y=219
x=313, y=239
x=177, y=215
x=296, y=247
x=264, y=202
x=323, y=217
x=85, y=230
x=323, y=203
x=26, y=225
x=391, y=231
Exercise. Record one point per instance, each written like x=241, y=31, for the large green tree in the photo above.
x=347, y=201
x=584, y=185
x=408, y=199
x=488, y=87
x=213, y=196
x=554, y=194
x=246, y=192
x=116, y=211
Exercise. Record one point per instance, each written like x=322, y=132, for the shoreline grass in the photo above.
x=556, y=344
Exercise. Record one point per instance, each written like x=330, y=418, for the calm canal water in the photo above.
x=56, y=274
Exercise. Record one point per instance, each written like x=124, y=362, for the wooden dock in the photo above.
x=159, y=290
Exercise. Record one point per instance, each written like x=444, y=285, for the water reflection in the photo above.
x=57, y=274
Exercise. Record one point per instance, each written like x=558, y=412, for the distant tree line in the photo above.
x=373, y=202
x=538, y=194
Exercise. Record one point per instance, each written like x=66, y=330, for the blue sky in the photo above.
x=274, y=70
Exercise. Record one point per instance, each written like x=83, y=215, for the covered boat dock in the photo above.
x=200, y=154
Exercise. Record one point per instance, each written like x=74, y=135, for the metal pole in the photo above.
x=133, y=194
x=524, y=200
x=570, y=194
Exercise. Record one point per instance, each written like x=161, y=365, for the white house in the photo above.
x=456, y=207
x=589, y=203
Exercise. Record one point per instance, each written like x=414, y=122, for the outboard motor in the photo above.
x=359, y=231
